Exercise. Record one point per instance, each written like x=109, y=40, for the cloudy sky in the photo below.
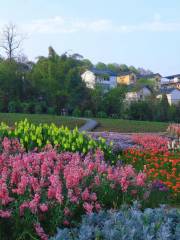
x=136, y=32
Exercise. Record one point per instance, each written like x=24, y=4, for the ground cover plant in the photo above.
x=126, y=224
x=40, y=191
x=161, y=164
x=11, y=118
x=33, y=136
x=129, y=126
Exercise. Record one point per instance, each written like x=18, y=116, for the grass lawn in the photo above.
x=129, y=126
x=11, y=118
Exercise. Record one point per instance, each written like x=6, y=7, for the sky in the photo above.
x=143, y=33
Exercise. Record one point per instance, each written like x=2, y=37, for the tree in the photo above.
x=113, y=101
x=123, y=68
x=101, y=66
x=11, y=41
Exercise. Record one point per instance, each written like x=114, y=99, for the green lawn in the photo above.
x=129, y=126
x=11, y=118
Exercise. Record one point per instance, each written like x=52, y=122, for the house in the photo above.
x=173, y=95
x=138, y=94
x=126, y=78
x=106, y=78
x=156, y=77
x=172, y=81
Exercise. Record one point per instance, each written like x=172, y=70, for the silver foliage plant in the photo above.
x=126, y=224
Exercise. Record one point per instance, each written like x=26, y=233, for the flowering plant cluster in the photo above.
x=157, y=161
x=40, y=191
x=174, y=132
x=33, y=136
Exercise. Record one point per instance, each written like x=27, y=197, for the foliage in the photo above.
x=126, y=224
x=71, y=123
x=88, y=113
x=101, y=114
x=54, y=82
x=42, y=191
x=32, y=136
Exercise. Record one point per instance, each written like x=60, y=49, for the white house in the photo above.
x=173, y=95
x=172, y=81
x=106, y=78
x=139, y=94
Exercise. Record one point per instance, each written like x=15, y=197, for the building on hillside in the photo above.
x=105, y=78
x=172, y=81
x=137, y=94
x=156, y=77
x=126, y=78
x=173, y=95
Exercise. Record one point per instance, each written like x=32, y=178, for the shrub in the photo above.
x=76, y=112
x=88, y=113
x=127, y=224
x=12, y=107
x=51, y=110
x=38, y=108
x=42, y=191
x=27, y=107
x=101, y=115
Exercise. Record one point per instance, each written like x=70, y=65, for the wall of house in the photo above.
x=143, y=93
x=131, y=96
x=123, y=79
x=126, y=79
x=90, y=79
x=175, y=96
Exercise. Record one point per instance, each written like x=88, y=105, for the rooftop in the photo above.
x=168, y=90
x=103, y=72
x=173, y=76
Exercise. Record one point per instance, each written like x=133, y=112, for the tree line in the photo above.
x=53, y=84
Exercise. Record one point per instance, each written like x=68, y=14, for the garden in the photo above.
x=62, y=184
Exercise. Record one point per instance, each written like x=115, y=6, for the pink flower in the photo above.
x=85, y=195
x=22, y=207
x=124, y=184
x=67, y=212
x=66, y=222
x=33, y=205
x=43, y=207
x=88, y=207
x=5, y=214
x=140, y=179
x=40, y=232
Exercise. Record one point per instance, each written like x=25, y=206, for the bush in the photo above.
x=88, y=113
x=38, y=108
x=127, y=224
x=42, y=191
x=76, y=112
x=12, y=107
x=51, y=110
x=101, y=115
x=27, y=107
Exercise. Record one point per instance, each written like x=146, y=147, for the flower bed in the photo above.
x=33, y=136
x=40, y=191
x=156, y=160
x=174, y=130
